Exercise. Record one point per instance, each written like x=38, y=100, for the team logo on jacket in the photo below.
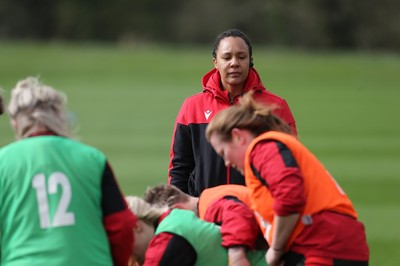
x=207, y=114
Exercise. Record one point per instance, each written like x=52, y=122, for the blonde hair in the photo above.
x=143, y=210
x=248, y=114
x=35, y=104
x=165, y=195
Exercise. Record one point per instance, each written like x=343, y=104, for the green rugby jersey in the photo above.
x=50, y=212
x=204, y=237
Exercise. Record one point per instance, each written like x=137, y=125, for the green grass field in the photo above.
x=125, y=99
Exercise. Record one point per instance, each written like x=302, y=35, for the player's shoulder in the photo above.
x=5, y=149
x=198, y=97
x=15, y=146
x=199, y=100
x=80, y=148
x=87, y=147
x=266, y=94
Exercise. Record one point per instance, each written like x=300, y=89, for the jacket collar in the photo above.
x=212, y=83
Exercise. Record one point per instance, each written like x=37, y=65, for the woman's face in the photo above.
x=232, y=61
x=233, y=152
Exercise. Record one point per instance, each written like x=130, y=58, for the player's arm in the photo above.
x=181, y=153
x=285, y=181
x=167, y=249
x=239, y=228
x=238, y=224
x=117, y=218
x=282, y=174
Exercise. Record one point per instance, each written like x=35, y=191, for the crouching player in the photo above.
x=225, y=205
x=179, y=237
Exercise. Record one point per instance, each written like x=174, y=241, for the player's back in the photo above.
x=50, y=194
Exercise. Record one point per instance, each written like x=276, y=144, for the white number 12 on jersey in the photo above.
x=61, y=217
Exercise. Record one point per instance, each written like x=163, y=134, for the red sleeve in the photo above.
x=167, y=249
x=119, y=228
x=275, y=164
x=156, y=249
x=118, y=220
x=238, y=224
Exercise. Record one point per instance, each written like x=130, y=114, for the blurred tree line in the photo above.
x=312, y=24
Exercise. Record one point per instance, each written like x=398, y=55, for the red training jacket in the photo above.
x=194, y=165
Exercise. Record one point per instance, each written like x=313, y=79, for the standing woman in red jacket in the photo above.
x=306, y=217
x=194, y=165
